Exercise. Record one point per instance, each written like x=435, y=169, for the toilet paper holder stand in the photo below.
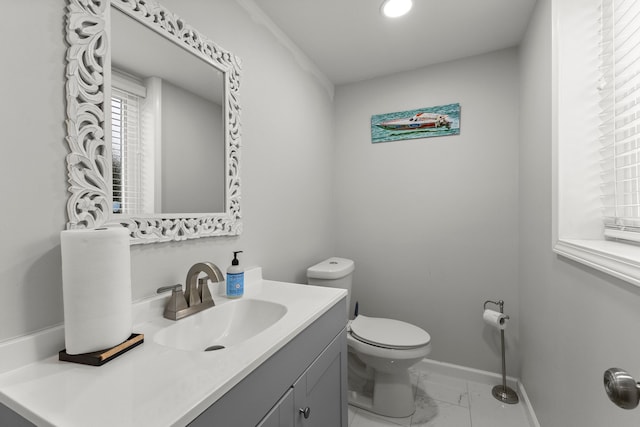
x=503, y=392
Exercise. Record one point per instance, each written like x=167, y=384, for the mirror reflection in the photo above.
x=167, y=125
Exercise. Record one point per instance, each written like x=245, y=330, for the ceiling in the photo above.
x=349, y=40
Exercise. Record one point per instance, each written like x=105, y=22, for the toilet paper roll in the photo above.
x=496, y=319
x=96, y=288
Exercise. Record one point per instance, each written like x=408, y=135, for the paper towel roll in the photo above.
x=495, y=319
x=96, y=288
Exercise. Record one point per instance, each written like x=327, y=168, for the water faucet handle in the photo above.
x=177, y=301
x=176, y=287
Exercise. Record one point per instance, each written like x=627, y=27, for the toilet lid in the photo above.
x=388, y=333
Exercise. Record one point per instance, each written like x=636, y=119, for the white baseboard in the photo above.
x=477, y=375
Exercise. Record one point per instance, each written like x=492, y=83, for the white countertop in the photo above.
x=154, y=385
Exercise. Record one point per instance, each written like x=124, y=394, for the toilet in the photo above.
x=381, y=350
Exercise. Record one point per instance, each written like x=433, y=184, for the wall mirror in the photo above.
x=153, y=124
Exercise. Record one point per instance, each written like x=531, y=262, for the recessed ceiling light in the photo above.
x=396, y=8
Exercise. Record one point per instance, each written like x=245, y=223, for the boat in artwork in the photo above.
x=418, y=121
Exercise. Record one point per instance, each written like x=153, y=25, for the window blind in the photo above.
x=620, y=117
x=126, y=147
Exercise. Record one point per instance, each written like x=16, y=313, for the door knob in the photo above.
x=306, y=412
x=621, y=388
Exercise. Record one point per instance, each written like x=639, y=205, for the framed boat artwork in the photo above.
x=441, y=120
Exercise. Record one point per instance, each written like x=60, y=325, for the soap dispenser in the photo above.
x=235, y=278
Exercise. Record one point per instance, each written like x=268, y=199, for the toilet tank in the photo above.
x=335, y=273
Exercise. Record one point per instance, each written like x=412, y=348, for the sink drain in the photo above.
x=214, y=347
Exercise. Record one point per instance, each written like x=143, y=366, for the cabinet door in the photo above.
x=282, y=414
x=10, y=418
x=320, y=394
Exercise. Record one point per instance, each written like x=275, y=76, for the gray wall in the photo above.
x=574, y=322
x=432, y=223
x=193, y=143
x=286, y=184
x=33, y=175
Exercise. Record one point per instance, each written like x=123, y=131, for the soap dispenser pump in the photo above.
x=235, y=278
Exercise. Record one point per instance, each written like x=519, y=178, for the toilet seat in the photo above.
x=388, y=333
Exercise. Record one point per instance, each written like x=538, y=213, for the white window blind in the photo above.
x=126, y=146
x=620, y=117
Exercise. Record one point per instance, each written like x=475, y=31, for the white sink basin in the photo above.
x=224, y=325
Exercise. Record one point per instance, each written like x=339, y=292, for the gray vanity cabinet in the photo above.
x=314, y=400
x=281, y=415
x=9, y=418
x=308, y=376
x=304, y=384
x=317, y=400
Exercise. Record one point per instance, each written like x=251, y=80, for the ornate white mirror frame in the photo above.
x=89, y=164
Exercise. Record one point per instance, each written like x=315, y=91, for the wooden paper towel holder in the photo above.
x=99, y=358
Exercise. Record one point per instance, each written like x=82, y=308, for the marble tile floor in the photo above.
x=445, y=401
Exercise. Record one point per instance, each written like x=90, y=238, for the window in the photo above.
x=127, y=144
x=596, y=153
x=125, y=151
x=620, y=123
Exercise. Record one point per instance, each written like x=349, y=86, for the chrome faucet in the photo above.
x=196, y=296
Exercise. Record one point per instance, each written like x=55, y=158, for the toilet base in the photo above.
x=379, y=379
x=392, y=396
